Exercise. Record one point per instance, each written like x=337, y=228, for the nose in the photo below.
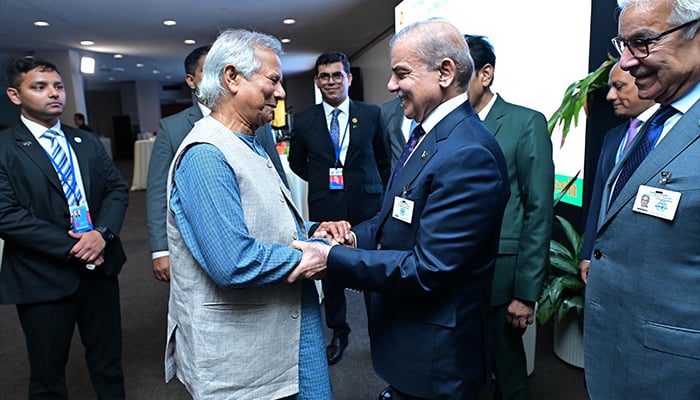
x=627, y=60
x=611, y=95
x=279, y=92
x=392, y=85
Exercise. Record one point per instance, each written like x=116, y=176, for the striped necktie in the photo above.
x=640, y=151
x=64, y=168
x=416, y=134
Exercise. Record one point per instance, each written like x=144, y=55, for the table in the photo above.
x=107, y=143
x=142, y=156
x=298, y=187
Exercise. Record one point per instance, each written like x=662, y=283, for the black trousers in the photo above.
x=48, y=329
x=335, y=306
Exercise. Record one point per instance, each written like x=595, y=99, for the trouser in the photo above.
x=509, y=363
x=336, y=308
x=48, y=329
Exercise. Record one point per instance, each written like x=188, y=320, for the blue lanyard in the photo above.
x=340, y=142
x=71, y=185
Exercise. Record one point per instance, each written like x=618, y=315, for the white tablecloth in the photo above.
x=142, y=155
x=107, y=143
x=298, y=187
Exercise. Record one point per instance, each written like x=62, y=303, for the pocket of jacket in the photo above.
x=674, y=340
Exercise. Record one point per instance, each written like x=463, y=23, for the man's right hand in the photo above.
x=161, y=268
x=584, y=265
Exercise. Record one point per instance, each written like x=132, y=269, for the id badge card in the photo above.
x=80, y=219
x=403, y=209
x=656, y=202
x=335, y=179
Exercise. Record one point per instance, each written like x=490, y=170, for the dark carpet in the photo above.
x=144, y=311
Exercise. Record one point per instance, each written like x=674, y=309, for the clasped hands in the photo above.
x=314, y=257
x=89, y=248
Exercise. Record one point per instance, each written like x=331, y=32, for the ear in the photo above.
x=189, y=80
x=231, y=78
x=13, y=94
x=349, y=79
x=446, y=72
x=485, y=75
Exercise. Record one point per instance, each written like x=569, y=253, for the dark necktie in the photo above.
x=335, y=129
x=408, y=149
x=64, y=168
x=642, y=149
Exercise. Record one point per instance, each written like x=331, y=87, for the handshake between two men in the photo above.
x=314, y=259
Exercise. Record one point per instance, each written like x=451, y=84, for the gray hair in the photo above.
x=232, y=47
x=434, y=45
x=682, y=11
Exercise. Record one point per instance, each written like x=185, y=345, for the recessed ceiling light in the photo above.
x=111, y=78
x=168, y=77
x=286, y=40
x=41, y=23
x=190, y=41
x=118, y=56
x=169, y=22
x=155, y=71
x=87, y=65
x=139, y=65
x=87, y=42
x=289, y=21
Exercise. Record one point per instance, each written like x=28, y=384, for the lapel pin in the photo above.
x=78, y=140
x=27, y=144
x=665, y=177
x=424, y=155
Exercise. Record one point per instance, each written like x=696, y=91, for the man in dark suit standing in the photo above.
x=523, y=251
x=641, y=330
x=397, y=126
x=171, y=132
x=426, y=259
x=339, y=148
x=626, y=104
x=62, y=203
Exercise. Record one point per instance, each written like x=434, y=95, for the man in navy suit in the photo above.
x=627, y=104
x=171, y=132
x=56, y=274
x=641, y=330
x=346, y=175
x=427, y=258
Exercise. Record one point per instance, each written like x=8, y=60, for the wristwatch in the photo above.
x=107, y=235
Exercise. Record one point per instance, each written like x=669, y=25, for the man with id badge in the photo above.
x=641, y=330
x=340, y=148
x=62, y=204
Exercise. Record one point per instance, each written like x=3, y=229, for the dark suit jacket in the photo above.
x=527, y=223
x=392, y=114
x=171, y=132
x=606, y=162
x=34, y=218
x=430, y=280
x=641, y=328
x=365, y=171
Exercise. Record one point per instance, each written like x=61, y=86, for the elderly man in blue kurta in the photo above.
x=236, y=329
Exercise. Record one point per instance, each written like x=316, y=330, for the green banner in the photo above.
x=574, y=195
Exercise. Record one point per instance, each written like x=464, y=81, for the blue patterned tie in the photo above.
x=642, y=149
x=64, y=168
x=335, y=129
x=408, y=149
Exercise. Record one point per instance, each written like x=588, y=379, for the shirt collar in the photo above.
x=37, y=129
x=646, y=114
x=344, y=108
x=204, y=109
x=686, y=102
x=442, y=110
x=485, y=111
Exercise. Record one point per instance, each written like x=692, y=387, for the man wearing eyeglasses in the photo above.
x=642, y=318
x=339, y=148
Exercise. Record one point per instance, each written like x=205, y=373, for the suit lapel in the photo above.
x=493, y=119
x=28, y=144
x=681, y=136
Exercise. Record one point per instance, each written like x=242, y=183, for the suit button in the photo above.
x=294, y=236
x=269, y=164
x=379, y=246
x=295, y=314
x=597, y=254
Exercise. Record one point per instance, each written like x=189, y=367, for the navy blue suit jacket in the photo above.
x=429, y=281
x=606, y=162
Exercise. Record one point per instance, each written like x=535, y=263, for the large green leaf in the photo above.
x=575, y=240
x=568, y=304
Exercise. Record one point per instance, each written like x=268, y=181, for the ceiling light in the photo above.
x=111, y=78
x=289, y=21
x=190, y=41
x=168, y=77
x=155, y=71
x=286, y=40
x=87, y=65
x=118, y=56
x=41, y=23
x=139, y=65
x=87, y=42
x=169, y=22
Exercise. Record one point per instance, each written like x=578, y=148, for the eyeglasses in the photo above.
x=640, y=47
x=325, y=77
